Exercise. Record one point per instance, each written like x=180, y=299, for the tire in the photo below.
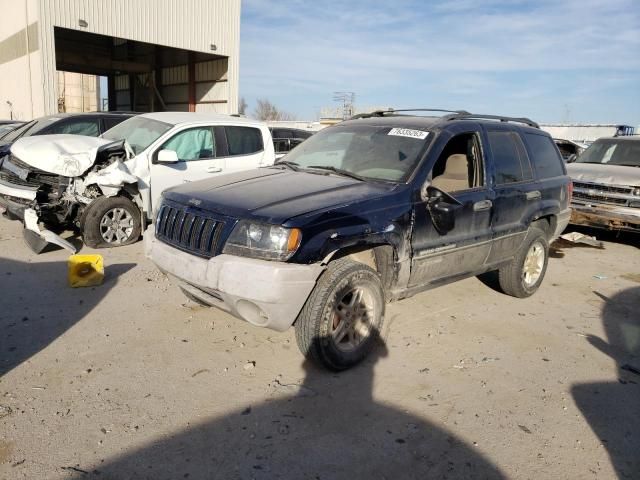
x=94, y=225
x=326, y=331
x=524, y=274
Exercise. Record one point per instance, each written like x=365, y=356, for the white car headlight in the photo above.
x=636, y=191
x=261, y=240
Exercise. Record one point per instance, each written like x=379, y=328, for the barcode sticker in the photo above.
x=408, y=132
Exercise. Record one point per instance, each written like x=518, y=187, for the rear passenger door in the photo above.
x=515, y=190
x=242, y=147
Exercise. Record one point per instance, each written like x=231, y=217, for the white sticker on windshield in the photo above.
x=408, y=132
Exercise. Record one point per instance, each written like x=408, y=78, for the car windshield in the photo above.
x=612, y=152
x=28, y=129
x=139, y=132
x=5, y=129
x=367, y=151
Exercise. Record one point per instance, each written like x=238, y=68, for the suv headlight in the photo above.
x=636, y=191
x=261, y=240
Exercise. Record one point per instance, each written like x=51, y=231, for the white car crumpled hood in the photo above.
x=66, y=155
x=604, y=174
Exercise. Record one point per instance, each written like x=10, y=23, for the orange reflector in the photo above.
x=294, y=240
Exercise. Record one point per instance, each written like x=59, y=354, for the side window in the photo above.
x=460, y=165
x=244, y=140
x=76, y=127
x=192, y=144
x=110, y=122
x=509, y=157
x=546, y=161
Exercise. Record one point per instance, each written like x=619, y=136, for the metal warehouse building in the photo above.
x=156, y=54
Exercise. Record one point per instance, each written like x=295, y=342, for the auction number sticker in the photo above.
x=408, y=132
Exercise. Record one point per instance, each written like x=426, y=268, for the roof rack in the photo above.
x=453, y=115
x=391, y=111
x=477, y=116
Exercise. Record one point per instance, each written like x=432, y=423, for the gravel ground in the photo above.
x=131, y=380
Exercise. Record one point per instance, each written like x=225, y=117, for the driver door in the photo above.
x=458, y=192
x=197, y=159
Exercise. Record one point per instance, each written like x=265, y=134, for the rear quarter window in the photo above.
x=544, y=155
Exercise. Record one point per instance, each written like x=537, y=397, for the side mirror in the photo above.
x=572, y=158
x=442, y=208
x=167, y=156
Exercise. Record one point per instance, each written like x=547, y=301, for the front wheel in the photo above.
x=523, y=276
x=343, y=316
x=111, y=222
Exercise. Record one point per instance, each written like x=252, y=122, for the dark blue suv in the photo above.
x=372, y=210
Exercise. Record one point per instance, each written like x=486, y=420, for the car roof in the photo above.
x=59, y=116
x=177, y=118
x=437, y=123
x=406, y=121
x=622, y=138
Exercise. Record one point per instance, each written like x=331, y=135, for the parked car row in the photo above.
x=372, y=210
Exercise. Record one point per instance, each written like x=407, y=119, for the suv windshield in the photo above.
x=368, y=151
x=612, y=151
x=139, y=132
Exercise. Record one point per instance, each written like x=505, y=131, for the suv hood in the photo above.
x=605, y=174
x=66, y=155
x=274, y=195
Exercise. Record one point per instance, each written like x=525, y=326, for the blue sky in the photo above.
x=554, y=61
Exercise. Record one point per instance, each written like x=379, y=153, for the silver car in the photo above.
x=606, y=184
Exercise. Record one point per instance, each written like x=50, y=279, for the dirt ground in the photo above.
x=131, y=380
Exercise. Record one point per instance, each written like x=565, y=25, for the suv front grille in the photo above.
x=598, y=198
x=189, y=231
x=603, y=188
x=598, y=193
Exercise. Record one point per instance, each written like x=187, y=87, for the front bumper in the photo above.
x=610, y=217
x=266, y=294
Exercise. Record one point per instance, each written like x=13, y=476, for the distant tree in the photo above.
x=242, y=106
x=265, y=110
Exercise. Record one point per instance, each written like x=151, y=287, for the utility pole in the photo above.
x=347, y=99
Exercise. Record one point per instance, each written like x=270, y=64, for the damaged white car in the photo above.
x=108, y=188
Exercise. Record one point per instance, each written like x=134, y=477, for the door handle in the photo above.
x=214, y=169
x=482, y=205
x=534, y=195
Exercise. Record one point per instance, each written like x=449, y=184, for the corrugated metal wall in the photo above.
x=186, y=24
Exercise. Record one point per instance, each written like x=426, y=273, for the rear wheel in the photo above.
x=523, y=276
x=343, y=316
x=111, y=222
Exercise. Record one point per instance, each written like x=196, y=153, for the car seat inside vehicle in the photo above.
x=460, y=165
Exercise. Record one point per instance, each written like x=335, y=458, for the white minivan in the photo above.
x=109, y=187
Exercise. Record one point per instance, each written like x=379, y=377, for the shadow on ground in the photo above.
x=328, y=427
x=38, y=306
x=613, y=409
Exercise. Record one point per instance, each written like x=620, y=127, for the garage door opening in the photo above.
x=138, y=76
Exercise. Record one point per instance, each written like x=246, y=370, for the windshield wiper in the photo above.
x=292, y=165
x=339, y=171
